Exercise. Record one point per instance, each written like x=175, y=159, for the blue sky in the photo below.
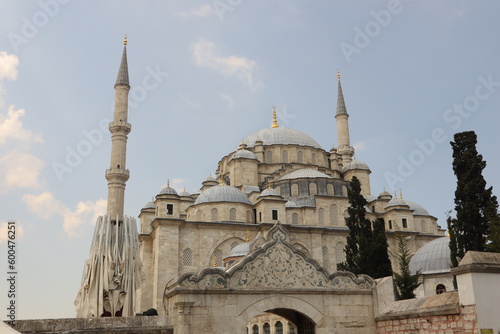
x=206, y=74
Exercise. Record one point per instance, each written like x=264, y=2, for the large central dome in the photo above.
x=281, y=136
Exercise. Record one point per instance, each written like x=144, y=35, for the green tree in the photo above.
x=406, y=282
x=381, y=263
x=366, y=249
x=475, y=205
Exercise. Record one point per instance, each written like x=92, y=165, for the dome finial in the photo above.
x=168, y=183
x=215, y=262
x=125, y=40
x=275, y=119
x=338, y=74
x=401, y=193
x=248, y=236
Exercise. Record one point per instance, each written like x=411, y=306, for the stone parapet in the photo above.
x=125, y=325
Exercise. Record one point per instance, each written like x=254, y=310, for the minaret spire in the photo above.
x=345, y=149
x=117, y=174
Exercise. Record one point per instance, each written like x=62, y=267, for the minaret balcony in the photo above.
x=117, y=174
x=120, y=127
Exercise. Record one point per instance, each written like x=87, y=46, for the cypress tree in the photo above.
x=405, y=282
x=381, y=264
x=366, y=249
x=475, y=205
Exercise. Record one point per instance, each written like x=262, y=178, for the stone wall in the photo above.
x=464, y=323
x=125, y=325
x=439, y=314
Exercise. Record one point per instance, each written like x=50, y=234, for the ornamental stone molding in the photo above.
x=276, y=265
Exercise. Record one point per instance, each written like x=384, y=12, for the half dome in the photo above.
x=304, y=173
x=222, y=193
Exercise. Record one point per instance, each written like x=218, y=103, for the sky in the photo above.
x=204, y=75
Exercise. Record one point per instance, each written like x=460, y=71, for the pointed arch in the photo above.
x=321, y=216
x=334, y=215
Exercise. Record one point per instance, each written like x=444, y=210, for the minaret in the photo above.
x=344, y=149
x=117, y=174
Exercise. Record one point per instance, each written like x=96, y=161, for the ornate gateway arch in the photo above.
x=275, y=276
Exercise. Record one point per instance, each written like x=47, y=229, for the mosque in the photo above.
x=256, y=249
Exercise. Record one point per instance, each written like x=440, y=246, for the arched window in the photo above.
x=215, y=215
x=313, y=158
x=249, y=217
x=284, y=156
x=232, y=214
x=198, y=215
x=187, y=257
x=255, y=329
x=423, y=226
x=334, y=215
x=291, y=328
x=295, y=218
x=326, y=257
x=440, y=288
x=329, y=189
x=295, y=190
x=278, y=328
x=313, y=189
x=269, y=157
x=217, y=258
x=267, y=328
x=321, y=216
x=300, y=157
x=339, y=253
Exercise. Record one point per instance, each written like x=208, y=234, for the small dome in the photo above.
x=355, y=164
x=396, y=202
x=184, y=193
x=291, y=204
x=270, y=192
x=222, y=193
x=243, y=154
x=304, y=173
x=149, y=205
x=385, y=195
x=168, y=190
x=280, y=136
x=417, y=209
x=432, y=258
x=240, y=250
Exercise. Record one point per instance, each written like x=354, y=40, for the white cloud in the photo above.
x=85, y=212
x=19, y=231
x=8, y=70
x=201, y=11
x=12, y=128
x=45, y=206
x=204, y=54
x=19, y=170
x=230, y=102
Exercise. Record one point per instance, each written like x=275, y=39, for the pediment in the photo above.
x=277, y=264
